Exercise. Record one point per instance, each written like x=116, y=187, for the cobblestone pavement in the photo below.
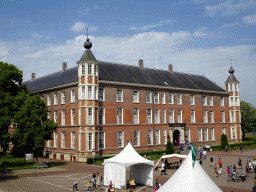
x=64, y=174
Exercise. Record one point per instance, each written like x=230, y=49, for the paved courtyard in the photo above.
x=63, y=176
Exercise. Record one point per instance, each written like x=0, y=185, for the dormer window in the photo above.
x=83, y=69
x=89, y=69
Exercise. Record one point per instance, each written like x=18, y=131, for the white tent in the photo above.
x=170, y=156
x=187, y=178
x=141, y=169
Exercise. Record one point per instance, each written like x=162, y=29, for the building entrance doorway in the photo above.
x=176, y=138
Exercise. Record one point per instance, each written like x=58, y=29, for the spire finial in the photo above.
x=87, y=44
x=231, y=70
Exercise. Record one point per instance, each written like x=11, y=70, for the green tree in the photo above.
x=224, y=141
x=248, y=117
x=10, y=85
x=33, y=127
x=170, y=148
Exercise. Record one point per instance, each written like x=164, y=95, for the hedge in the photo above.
x=236, y=146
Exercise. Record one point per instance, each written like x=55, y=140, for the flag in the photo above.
x=194, y=153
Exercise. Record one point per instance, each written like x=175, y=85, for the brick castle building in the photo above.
x=101, y=105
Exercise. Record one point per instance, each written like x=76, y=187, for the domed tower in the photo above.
x=88, y=99
x=232, y=86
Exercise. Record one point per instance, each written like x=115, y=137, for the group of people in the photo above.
x=232, y=173
x=96, y=180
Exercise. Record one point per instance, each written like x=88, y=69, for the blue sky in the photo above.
x=196, y=36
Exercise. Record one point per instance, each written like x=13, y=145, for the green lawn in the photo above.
x=250, y=136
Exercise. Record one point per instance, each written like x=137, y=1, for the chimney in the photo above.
x=170, y=68
x=64, y=66
x=141, y=63
x=33, y=76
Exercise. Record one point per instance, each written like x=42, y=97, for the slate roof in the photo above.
x=232, y=79
x=87, y=56
x=127, y=74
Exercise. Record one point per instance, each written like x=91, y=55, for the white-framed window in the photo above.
x=135, y=96
x=149, y=137
x=89, y=112
x=89, y=69
x=171, y=116
x=73, y=96
x=63, y=139
x=49, y=143
x=83, y=92
x=192, y=100
x=119, y=95
x=179, y=116
x=101, y=94
x=231, y=101
x=223, y=116
x=136, y=116
x=156, y=97
x=163, y=98
x=83, y=69
x=230, y=87
x=211, y=101
x=136, y=138
x=55, y=138
x=205, y=116
x=49, y=100
x=73, y=116
x=101, y=140
x=205, y=134
x=188, y=134
x=164, y=136
x=236, y=87
x=179, y=99
x=95, y=69
x=89, y=141
x=233, y=134
x=232, y=116
x=200, y=134
x=56, y=116
x=55, y=98
x=193, y=116
x=170, y=98
x=120, y=139
x=164, y=116
x=148, y=97
x=211, y=116
x=101, y=115
x=223, y=131
x=89, y=92
x=149, y=115
x=73, y=140
x=63, y=117
x=156, y=116
x=119, y=115
x=212, y=134
x=222, y=101
x=63, y=97
x=49, y=115
x=95, y=92
x=157, y=137
x=204, y=101
x=236, y=101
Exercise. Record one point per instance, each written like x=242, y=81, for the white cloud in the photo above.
x=36, y=36
x=201, y=32
x=250, y=19
x=229, y=8
x=79, y=27
x=144, y=28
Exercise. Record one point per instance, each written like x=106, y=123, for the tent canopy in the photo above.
x=141, y=169
x=127, y=157
x=187, y=178
x=170, y=156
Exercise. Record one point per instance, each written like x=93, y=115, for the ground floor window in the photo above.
x=136, y=138
x=120, y=139
x=157, y=137
x=199, y=134
x=149, y=137
x=89, y=141
x=102, y=140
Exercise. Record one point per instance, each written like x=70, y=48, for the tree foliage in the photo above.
x=10, y=85
x=170, y=148
x=33, y=127
x=248, y=117
x=224, y=141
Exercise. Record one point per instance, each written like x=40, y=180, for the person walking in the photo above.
x=226, y=147
x=201, y=152
x=99, y=181
x=220, y=163
x=211, y=162
x=241, y=148
x=215, y=170
x=228, y=171
x=94, y=181
x=75, y=185
x=204, y=153
x=163, y=169
x=157, y=184
x=239, y=163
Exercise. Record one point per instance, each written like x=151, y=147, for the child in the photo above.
x=89, y=185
